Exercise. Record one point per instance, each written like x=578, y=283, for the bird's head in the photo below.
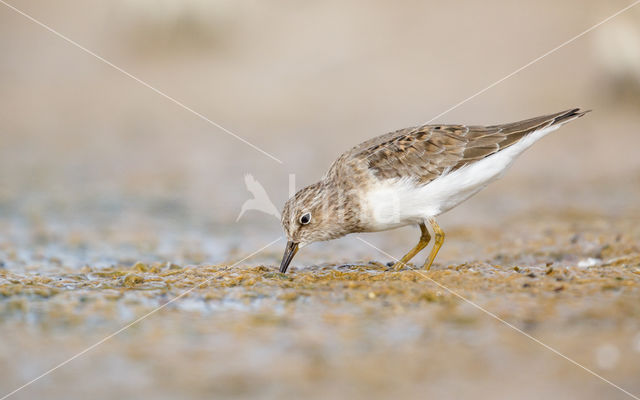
x=316, y=213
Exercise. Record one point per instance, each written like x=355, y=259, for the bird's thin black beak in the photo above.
x=289, y=252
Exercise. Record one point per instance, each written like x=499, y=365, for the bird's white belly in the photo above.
x=402, y=201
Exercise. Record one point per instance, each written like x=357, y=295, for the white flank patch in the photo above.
x=398, y=202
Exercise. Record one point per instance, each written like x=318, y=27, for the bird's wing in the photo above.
x=428, y=151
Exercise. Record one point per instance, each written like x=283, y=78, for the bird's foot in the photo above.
x=399, y=266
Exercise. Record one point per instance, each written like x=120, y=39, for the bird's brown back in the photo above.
x=428, y=151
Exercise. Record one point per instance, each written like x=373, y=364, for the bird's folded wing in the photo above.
x=429, y=151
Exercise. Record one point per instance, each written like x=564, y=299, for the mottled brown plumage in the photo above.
x=428, y=151
x=406, y=161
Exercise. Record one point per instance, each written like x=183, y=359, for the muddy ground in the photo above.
x=570, y=281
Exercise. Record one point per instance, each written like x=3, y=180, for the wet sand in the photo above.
x=570, y=280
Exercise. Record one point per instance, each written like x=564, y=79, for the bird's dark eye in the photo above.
x=305, y=218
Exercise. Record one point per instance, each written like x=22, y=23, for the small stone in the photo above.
x=132, y=280
x=140, y=267
x=589, y=262
x=171, y=265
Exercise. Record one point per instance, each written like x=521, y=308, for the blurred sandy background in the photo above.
x=88, y=155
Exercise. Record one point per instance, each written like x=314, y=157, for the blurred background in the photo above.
x=97, y=169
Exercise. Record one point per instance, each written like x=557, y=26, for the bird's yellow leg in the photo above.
x=439, y=239
x=424, y=241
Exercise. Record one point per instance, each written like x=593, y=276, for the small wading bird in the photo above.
x=408, y=177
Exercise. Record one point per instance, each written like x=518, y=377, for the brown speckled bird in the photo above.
x=408, y=177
